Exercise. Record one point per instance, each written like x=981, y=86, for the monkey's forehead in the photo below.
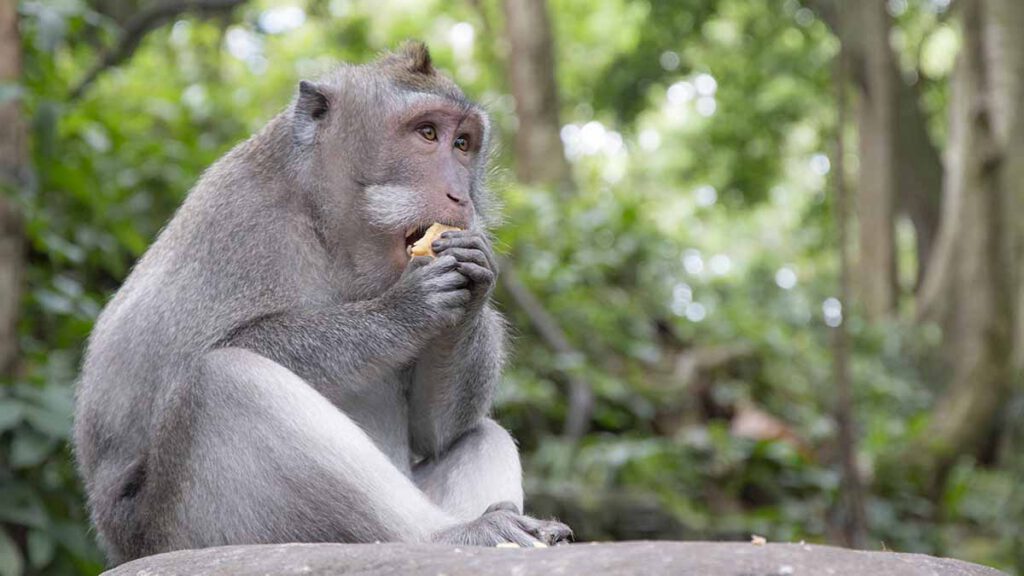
x=436, y=86
x=402, y=89
x=457, y=102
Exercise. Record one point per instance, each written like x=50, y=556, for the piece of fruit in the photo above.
x=422, y=247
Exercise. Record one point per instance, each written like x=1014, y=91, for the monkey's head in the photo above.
x=385, y=150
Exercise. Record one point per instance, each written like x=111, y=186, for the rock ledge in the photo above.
x=646, y=558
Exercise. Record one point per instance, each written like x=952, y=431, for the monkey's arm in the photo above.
x=349, y=342
x=358, y=341
x=453, y=382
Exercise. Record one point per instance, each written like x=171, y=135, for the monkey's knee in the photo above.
x=492, y=436
x=501, y=477
x=490, y=446
x=480, y=469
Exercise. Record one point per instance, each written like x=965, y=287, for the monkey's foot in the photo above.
x=502, y=523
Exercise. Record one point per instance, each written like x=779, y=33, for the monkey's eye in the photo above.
x=462, y=143
x=428, y=131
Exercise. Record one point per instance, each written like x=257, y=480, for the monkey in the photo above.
x=276, y=369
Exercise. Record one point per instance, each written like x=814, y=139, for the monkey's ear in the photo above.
x=419, y=57
x=311, y=107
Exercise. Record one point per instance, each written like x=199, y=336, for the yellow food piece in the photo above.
x=506, y=545
x=422, y=246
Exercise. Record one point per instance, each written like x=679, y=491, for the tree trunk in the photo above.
x=851, y=524
x=919, y=174
x=918, y=163
x=868, y=33
x=1005, y=43
x=540, y=158
x=976, y=260
x=13, y=168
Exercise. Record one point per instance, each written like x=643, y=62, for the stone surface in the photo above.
x=646, y=558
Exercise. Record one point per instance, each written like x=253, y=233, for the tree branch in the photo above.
x=581, y=395
x=143, y=23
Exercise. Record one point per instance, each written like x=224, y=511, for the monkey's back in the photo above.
x=214, y=267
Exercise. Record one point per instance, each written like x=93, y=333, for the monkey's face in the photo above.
x=393, y=147
x=431, y=170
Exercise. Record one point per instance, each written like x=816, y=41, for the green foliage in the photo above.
x=699, y=133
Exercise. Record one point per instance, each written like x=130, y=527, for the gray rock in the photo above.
x=646, y=558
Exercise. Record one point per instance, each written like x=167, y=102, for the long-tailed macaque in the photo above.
x=276, y=369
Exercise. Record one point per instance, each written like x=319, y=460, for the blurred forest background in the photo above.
x=764, y=261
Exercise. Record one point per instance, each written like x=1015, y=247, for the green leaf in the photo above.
x=48, y=409
x=11, y=562
x=53, y=424
x=29, y=448
x=21, y=504
x=52, y=29
x=10, y=414
x=75, y=538
x=41, y=549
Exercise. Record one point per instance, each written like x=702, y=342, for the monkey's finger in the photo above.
x=477, y=274
x=468, y=255
x=461, y=234
x=475, y=242
x=455, y=299
x=468, y=239
x=442, y=265
x=417, y=263
x=453, y=280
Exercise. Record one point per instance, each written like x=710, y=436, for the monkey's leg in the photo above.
x=481, y=468
x=271, y=460
x=480, y=474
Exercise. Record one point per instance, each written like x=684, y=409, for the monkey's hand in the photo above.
x=502, y=523
x=431, y=295
x=472, y=250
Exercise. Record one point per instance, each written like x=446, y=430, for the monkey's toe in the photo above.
x=556, y=533
x=550, y=532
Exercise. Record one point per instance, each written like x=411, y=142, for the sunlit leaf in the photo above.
x=11, y=561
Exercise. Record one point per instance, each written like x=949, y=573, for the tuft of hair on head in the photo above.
x=411, y=67
x=417, y=55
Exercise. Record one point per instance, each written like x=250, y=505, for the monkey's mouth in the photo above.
x=412, y=235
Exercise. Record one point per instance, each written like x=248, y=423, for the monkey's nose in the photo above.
x=456, y=197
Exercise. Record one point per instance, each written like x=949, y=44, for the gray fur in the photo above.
x=271, y=371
